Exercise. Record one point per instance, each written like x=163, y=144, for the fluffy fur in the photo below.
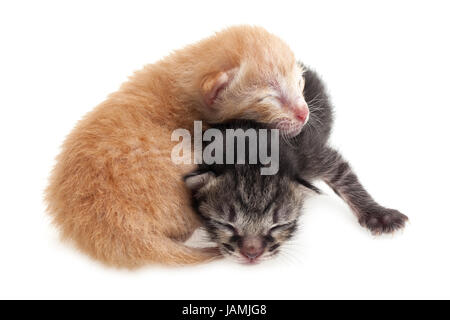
x=114, y=190
x=238, y=205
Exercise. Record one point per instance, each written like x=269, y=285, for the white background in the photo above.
x=387, y=67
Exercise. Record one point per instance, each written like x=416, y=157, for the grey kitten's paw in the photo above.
x=383, y=220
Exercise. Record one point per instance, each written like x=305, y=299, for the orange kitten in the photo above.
x=115, y=191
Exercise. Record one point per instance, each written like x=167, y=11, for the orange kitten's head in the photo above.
x=253, y=75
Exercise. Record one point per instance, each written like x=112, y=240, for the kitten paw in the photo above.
x=383, y=221
x=213, y=252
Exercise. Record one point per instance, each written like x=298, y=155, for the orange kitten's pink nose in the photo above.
x=302, y=112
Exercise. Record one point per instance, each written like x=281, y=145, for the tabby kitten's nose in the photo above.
x=252, y=248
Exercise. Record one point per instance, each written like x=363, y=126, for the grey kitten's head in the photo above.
x=248, y=215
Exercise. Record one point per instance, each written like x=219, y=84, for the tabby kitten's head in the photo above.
x=248, y=215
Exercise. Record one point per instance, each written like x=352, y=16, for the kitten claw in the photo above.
x=383, y=221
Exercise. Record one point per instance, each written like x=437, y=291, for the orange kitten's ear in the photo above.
x=213, y=83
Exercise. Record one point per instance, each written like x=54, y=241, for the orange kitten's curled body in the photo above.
x=115, y=191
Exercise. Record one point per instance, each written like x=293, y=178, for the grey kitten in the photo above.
x=250, y=216
x=247, y=214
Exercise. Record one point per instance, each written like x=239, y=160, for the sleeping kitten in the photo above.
x=250, y=216
x=115, y=191
x=247, y=214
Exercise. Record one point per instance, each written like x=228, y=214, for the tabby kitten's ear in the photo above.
x=198, y=179
x=308, y=185
x=214, y=83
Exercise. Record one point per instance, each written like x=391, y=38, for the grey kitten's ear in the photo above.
x=197, y=179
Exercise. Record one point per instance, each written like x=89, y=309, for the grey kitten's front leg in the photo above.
x=338, y=174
